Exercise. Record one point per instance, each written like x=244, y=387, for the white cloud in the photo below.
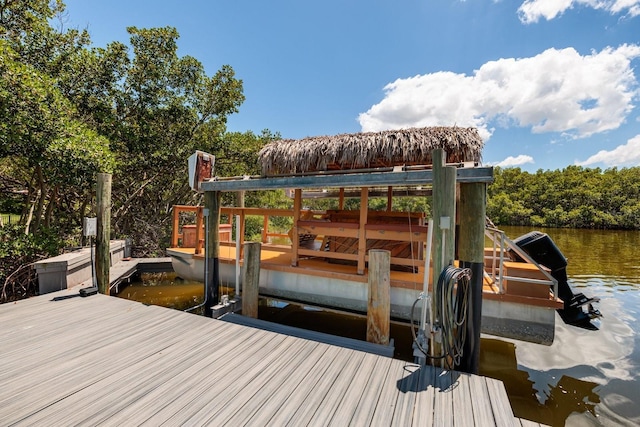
x=532, y=10
x=555, y=91
x=511, y=161
x=623, y=155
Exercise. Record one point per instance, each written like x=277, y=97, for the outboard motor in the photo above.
x=544, y=251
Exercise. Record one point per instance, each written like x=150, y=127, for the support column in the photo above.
x=103, y=237
x=251, y=279
x=295, y=239
x=362, y=233
x=212, y=259
x=379, y=301
x=444, y=214
x=472, y=211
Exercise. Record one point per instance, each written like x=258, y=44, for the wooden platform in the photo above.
x=67, y=360
x=275, y=257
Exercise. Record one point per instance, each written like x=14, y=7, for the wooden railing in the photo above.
x=318, y=236
x=498, y=265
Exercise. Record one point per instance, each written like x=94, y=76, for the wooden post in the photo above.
x=251, y=279
x=472, y=211
x=242, y=227
x=444, y=214
x=175, y=226
x=212, y=260
x=362, y=234
x=240, y=202
x=103, y=237
x=295, y=240
x=341, y=199
x=379, y=301
x=265, y=229
x=199, y=226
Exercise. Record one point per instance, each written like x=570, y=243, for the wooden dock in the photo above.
x=68, y=360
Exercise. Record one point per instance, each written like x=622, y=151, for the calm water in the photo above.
x=583, y=378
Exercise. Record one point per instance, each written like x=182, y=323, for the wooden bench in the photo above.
x=399, y=232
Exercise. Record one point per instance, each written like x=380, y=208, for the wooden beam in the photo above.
x=265, y=228
x=103, y=237
x=444, y=214
x=472, y=211
x=199, y=227
x=212, y=260
x=379, y=300
x=295, y=243
x=175, y=227
x=251, y=279
x=362, y=235
x=372, y=179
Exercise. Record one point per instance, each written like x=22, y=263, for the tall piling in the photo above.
x=103, y=235
x=379, y=300
x=212, y=256
x=251, y=279
x=444, y=215
x=472, y=210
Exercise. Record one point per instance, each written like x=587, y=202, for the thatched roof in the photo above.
x=371, y=149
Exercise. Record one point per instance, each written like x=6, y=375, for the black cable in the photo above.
x=451, y=297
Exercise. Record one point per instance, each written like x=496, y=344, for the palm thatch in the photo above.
x=370, y=149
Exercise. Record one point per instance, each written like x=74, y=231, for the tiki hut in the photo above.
x=370, y=150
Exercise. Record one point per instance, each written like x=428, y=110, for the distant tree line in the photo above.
x=574, y=197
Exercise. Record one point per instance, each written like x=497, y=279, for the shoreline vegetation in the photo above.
x=573, y=197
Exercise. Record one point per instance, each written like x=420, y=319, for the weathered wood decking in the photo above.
x=67, y=360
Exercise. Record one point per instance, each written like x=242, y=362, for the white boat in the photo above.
x=518, y=296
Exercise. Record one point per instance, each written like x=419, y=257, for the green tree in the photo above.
x=40, y=134
x=165, y=109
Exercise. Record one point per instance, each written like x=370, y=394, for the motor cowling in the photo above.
x=542, y=249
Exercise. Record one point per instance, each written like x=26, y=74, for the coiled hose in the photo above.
x=450, y=314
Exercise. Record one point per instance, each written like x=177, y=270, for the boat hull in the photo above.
x=500, y=316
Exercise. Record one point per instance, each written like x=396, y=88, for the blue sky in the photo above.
x=549, y=83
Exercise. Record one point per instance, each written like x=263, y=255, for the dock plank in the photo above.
x=356, y=390
x=101, y=360
x=339, y=391
x=268, y=380
x=482, y=409
x=385, y=409
x=136, y=382
x=463, y=415
x=500, y=403
x=345, y=364
x=424, y=407
x=443, y=403
x=293, y=383
x=408, y=388
x=365, y=409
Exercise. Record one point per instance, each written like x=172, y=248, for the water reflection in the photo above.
x=595, y=373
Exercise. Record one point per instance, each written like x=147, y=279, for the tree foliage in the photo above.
x=574, y=197
x=69, y=111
